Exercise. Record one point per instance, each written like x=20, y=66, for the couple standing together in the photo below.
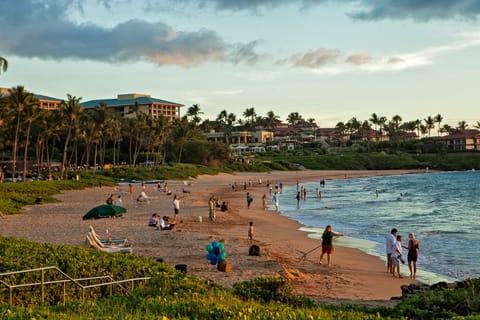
x=394, y=253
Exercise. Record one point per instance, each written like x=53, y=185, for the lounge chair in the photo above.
x=118, y=242
x=102, y=247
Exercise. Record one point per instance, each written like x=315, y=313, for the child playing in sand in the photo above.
x=250, y=231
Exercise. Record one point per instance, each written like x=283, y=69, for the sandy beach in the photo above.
x=354, y=275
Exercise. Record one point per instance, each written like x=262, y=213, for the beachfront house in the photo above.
x=246, y=138
x=462, y=140
x=128, y=104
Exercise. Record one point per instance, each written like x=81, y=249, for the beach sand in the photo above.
x=354, y=276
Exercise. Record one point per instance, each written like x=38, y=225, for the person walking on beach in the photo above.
x=264, y=201
x=249, y=200
x=412, y=255
x=250, y=231
x=130, y=191
x=275, y=200
x=176, y=207
x=327, y=244
x=390, y=240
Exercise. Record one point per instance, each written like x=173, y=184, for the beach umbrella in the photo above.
x=104, y=211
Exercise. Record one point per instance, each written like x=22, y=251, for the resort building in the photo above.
x=45, y=102
x=463, y=140
x=246, y=138
x=128, y=104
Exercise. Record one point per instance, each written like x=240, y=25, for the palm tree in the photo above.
x=272, y=120
x=3, y=64
x=294, y=119
x=447, y=129
x=250, y=115
x=19, y=99
x=182, y=133
x=374, y=119
x=397, y=120
x=30, y=113
x=430, y=124
x=71, y=110
x=313, y=126
x=193, y=113
x=462, y=125
x=381, y=123
x=418, y=123
x=438, y=119
x=477, y=125
x=352, y=126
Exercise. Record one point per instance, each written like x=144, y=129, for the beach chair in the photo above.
x=102, y=247
x=118, y=242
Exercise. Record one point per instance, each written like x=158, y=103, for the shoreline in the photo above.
x=355, y=275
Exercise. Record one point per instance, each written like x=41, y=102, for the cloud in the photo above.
x=248, y=5
x=326, y=61
x=41, y=29
x=358, y=59
x=315, y=58
x=418, y=10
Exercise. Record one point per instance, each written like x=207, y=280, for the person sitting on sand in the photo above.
x=153, y=221
x=110, y=199
x=163, y=223
x=224, y=206
x=140, y=199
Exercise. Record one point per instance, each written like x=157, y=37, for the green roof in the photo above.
x=126, y=102
x=42, y=97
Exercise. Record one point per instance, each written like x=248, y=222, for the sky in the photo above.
x=330, y=60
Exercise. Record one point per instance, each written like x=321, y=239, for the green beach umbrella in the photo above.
x=104, y=211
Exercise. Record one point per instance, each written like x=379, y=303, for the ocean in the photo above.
x=441, y=208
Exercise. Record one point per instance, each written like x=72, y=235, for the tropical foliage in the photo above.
x=171, y=294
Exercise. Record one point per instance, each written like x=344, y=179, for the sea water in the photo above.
x=441, y=208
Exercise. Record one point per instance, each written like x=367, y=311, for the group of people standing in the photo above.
x=394, y=248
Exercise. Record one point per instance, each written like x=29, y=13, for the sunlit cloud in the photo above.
x=315, y=58
x=358, y=59
x=400, y=61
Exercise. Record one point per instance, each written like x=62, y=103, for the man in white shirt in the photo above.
x=390, y=248
x=176, y=206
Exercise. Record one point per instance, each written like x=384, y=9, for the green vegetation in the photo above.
x=171, y=294
x=315, y=159
x=13, y=196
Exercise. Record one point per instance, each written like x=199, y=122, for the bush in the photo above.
x=271, y=289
